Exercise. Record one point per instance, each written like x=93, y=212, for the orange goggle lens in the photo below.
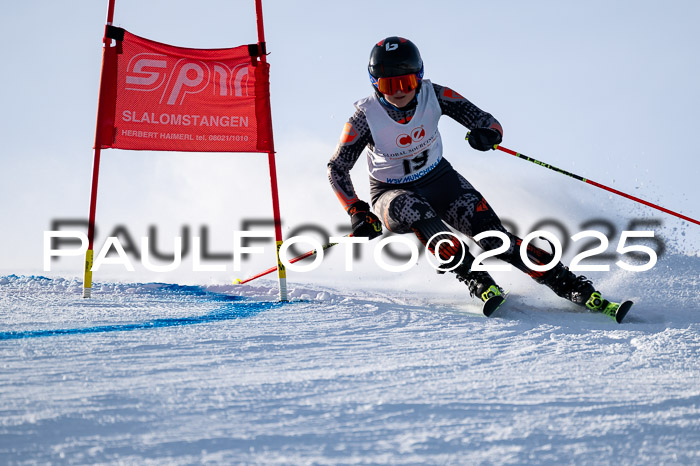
x=390, y=86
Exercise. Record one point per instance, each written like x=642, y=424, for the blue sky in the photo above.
x=605, y=90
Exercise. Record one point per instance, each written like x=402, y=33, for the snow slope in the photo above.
x=168, y=374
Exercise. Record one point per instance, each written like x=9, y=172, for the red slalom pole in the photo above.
x=281, y=272
x=596, y=184
x=104, y=84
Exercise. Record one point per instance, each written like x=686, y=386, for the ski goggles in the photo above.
x=389, y=86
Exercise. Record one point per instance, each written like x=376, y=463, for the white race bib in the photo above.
x=403, y=152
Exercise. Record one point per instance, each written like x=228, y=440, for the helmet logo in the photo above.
x=389, y=46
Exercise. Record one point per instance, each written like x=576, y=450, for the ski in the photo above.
x=491, y=304
x=617, y=311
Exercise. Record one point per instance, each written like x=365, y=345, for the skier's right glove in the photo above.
x=484, y=139
x=364, y=222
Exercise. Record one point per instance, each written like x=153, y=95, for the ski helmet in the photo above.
x=394, y=57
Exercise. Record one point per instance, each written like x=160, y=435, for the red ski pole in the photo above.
x=594, y=183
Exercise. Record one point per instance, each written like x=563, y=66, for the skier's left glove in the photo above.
x=484, y=139
x=364, y=222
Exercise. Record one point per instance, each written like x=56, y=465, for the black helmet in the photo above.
x=394, y=56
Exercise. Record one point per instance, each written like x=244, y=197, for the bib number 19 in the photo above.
x=416, y=163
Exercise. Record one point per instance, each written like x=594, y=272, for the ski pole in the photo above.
x=313, y=252
x=594, y=183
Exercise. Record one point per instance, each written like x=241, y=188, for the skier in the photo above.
x=413, y=188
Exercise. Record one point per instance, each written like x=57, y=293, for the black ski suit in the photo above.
x=441, y=195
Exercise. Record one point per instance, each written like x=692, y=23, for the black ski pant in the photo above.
x=441, y=198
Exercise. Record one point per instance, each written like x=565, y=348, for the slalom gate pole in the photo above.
x=281, y=272
x=313, y=252
x=594, y=183
x=87, y=277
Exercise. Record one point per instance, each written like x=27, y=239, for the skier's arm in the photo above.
x=355, y=137
x=486, y=130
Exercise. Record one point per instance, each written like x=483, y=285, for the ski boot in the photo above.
x=580, y=290
x=616, y=311
x=481, y=285
x=576, y=288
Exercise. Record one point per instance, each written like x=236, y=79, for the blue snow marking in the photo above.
x=233, y=309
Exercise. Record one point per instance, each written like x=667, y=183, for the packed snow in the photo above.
x=153, y=373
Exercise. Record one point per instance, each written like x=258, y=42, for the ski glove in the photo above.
x=364, y=222
x=484, y=139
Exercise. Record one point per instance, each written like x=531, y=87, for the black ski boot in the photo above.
x=576, y=288
x=482, y=286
